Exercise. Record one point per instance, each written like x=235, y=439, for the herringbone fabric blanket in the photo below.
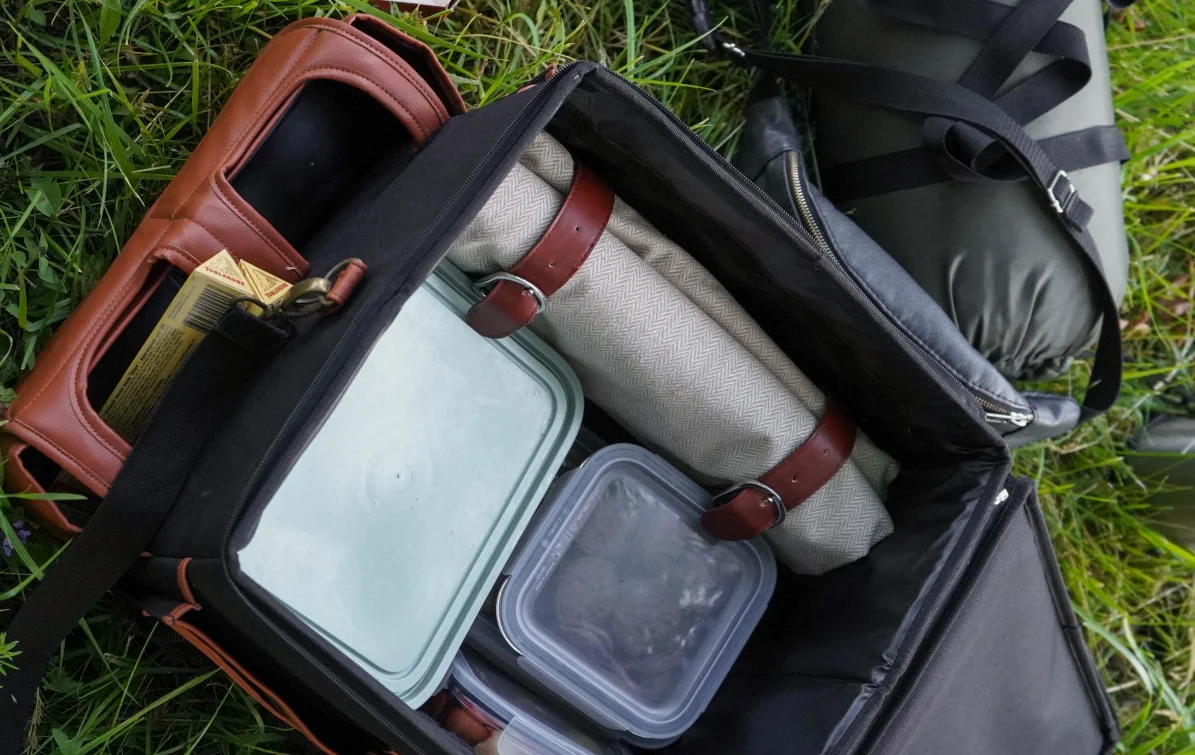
x=661, y=346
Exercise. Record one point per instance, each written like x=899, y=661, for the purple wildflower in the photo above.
x=22, y=532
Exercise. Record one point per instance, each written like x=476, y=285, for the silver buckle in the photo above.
x=1069, y=193
x=482, y=287
x=772, y=497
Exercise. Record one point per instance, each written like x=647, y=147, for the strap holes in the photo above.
x=577, y=228
x=794, y=478
x=552, y=263
x=825, y=452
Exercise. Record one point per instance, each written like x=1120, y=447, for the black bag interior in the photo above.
x=318, y=153
x=828, y=642
x=828, y=645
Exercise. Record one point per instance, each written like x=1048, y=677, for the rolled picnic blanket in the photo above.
x=660, y=345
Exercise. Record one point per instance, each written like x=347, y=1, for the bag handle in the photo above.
x=199, y=214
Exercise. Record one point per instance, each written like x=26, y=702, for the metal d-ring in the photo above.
x=773, y=498
x=482, y=287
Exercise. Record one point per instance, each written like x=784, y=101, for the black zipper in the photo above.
x=994, y=412
x=299, y=410
x=806, y=237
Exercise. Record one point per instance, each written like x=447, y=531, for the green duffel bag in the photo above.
x=945, y=197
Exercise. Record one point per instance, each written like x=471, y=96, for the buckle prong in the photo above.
x=483, y=286
x=772, y=497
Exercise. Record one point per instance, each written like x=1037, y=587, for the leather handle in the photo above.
x=753, y=509
x=199, y=214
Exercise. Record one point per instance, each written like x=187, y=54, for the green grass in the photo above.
x=101, y=101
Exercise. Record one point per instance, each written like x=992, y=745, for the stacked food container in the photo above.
x=617, y=608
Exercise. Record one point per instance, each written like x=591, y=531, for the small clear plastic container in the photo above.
x=623, y=606
x=525, y=725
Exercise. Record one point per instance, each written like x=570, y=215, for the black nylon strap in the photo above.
x=197, y=400
x=918, y=94
x=896, y=171
x=959, y=151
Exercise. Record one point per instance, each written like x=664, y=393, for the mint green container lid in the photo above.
x=396, y=519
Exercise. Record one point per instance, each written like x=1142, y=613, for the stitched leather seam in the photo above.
x=182, y=251
x=423, y=132
x=87, y=472
x=83, y=349
x=219, y=190
x=87, y=342
x=400, y=66
x=237, y=144
x=74, y=396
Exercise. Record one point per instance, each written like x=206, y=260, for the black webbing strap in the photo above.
x=930, y=97
x=202, y=394
x=957, y=151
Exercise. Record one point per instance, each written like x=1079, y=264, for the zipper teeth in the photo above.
x=267, y=457
x=794, y=174
x=992, y=410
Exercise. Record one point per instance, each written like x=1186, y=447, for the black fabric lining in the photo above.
x=324, y=146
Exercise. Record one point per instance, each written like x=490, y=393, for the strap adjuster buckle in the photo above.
x=1061, y=204
x=771, y=498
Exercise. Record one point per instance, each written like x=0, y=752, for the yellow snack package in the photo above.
x=203, y=299
x=267, y=287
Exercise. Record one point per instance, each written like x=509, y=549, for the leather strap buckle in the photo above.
x=771, y=497
x=751, y=508
x=482, y=288
x=512, y=298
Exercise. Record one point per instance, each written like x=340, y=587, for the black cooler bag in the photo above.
x=954, y=635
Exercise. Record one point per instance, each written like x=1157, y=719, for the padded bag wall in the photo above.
x=987, y=251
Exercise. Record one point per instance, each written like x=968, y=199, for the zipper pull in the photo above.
x=1009, y=418
x=1001, y=497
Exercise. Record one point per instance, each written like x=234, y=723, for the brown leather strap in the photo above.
x=550, y=264
x=752, y=510
x=344, y=285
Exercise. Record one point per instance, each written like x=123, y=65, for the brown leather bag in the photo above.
x=197, y=215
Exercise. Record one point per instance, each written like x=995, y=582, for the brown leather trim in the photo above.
x=17, y=479
x=198, y=214
x=555, y=258
x=263, y=695
x=184, y=585
x=801, y=474
x=345, y=283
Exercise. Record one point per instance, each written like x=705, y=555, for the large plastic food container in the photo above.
x=623, y=606
x=395, y=520
x=526, y=725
